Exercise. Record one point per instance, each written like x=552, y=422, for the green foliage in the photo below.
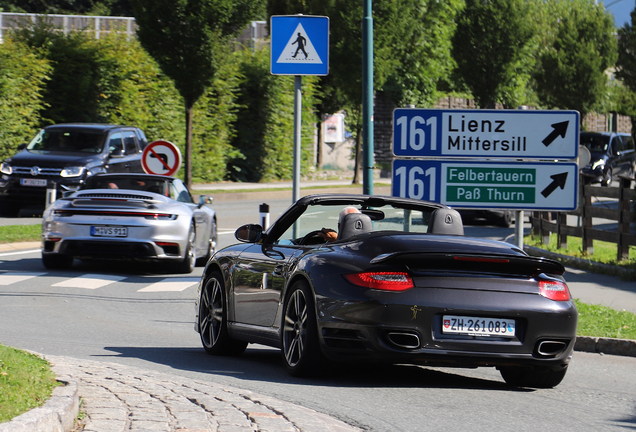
x=26, y=382
x=20, y=233
x=602, y=321
x=571, y=72
x=22, y=80
x=265, y=137
x=626, y=63
x=487, y=46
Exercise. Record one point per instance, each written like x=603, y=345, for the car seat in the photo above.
x=445, y=221
x=354, y=224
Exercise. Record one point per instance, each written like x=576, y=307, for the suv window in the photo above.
x=69, y=141
x=628, y=142
x=617, y=145
x=130, y=143
x=115, y=145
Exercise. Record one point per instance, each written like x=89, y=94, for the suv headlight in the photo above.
x=5, y=168
x=75, y=171
x=598, y=164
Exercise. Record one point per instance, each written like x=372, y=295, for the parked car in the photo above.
x=612, y=154
x=138, y=217
x=502, y=218
x=63, y=157
x=400, y=284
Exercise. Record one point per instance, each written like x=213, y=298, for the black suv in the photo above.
x=62, y=157
x=612, y=154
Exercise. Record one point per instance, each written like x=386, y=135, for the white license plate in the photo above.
x=107, y=231
x=33, y=182
x=478, y=326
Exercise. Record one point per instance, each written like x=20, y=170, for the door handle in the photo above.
x=279, y=270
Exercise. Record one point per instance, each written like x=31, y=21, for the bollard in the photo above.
x=51, y=192
x=264, y=211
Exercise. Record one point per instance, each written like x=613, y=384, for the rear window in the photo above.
x=67, y=142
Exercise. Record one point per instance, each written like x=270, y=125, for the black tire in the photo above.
x=607, y=177
x=57, y=262
x=213, y=319
x=186, y=265
x=506, y=220
x=202, y=261
x=300, y=347
x=535, y=377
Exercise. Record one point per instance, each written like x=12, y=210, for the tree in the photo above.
x=626, y=63
x=189, y=39
x=571, y=72
x=487, y=45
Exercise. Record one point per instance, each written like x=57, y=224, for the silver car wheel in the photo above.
x=211, y=313
x=295, y=330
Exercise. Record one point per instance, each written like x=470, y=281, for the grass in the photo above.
x=26, y=382
x=602, y=321
x=604, y=252
x=275, y=189
x=20, y=233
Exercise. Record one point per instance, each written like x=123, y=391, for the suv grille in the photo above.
x=42, y=172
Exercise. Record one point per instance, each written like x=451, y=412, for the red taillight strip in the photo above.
x=480, y=259
x=114, y=213
x=388, y=281
x=554, y=290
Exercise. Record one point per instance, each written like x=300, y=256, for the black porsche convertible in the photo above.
x=398, y=284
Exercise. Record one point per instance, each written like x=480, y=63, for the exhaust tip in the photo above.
x=550, y=348
x=404, y=340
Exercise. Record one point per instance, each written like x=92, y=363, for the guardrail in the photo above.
x=542, y=224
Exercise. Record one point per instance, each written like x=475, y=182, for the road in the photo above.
x=136, y=316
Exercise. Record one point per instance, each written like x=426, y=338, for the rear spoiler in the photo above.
x=466, y=262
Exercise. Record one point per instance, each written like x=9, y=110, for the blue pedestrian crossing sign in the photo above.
x=300, y=45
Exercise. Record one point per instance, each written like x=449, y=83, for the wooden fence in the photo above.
x=543, y=225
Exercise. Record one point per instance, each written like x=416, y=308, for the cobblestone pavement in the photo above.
x=118, y=398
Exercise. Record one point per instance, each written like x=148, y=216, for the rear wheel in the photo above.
x=213, y=319
x=301, y=350
x=211, y=246
x=536, y=377
x=57, y=262
x=186, y=265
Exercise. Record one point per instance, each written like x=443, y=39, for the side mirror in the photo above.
x=250, y=233
x=22, y=146
x=204, y=199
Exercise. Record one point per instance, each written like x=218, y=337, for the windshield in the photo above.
x=595, y=143
x=386, y=218
x=67, y=141
x=131, y=183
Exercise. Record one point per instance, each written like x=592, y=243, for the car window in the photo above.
x=383, y=219
x=68, y=141
x=115, y=144
x=143, y=141
x=127, y=182
x=617, y=144
x=130, y=143
x=179, y=192
x=628, y=142
x=595, y=143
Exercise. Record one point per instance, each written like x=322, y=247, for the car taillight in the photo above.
x=553, y=290
x=389, y=281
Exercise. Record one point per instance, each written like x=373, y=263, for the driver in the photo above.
x=331, y=235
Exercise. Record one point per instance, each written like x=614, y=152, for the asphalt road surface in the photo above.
x=138, y=316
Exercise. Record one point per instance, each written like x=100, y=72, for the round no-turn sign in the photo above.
x=161, y=158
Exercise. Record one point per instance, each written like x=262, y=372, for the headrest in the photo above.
x=354, y=224
x=445, y=221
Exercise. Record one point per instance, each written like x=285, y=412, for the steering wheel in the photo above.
x=310, y=235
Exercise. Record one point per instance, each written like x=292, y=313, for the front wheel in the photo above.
x=213, y=319
x=301, y=350
x=536, y=377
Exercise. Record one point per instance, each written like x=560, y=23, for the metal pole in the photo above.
x=298, y=107
x=367, y=99
x=519, y=229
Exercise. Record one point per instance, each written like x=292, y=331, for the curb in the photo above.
x=58, y=414
x=620, y=347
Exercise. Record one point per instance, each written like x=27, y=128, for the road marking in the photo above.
x=20, y=253
x=90, y=281
x=171, y=284
x=13, y=277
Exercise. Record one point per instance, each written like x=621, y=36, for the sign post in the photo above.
x=299, y=46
